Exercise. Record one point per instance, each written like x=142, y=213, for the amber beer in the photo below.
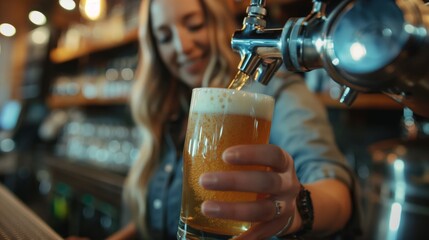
x=218, y=119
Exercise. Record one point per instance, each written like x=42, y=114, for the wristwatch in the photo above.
x=305, y=210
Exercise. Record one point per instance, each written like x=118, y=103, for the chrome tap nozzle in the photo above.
x=258, y=47
x=362, y=48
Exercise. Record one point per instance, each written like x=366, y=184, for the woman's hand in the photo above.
x=281, y=186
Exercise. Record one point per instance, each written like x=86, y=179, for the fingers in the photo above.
x=278, y=183
x=263, y=213
x=264, y=155
x=257, y=211
x=274, y=182
x=268, y=229
x=261, y=210
x=243, y=181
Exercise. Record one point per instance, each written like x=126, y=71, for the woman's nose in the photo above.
x=183, y=41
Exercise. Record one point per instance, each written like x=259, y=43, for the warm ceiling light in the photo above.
x=37, y=18
x=67, y=4
x=7, y=29
x=93, y=9
x=40, y=35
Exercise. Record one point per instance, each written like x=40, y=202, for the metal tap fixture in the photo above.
x=364, y=45
x=259, y=47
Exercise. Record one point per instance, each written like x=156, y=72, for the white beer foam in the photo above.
x=230, y=101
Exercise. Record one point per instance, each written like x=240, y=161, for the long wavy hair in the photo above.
x=156, y=90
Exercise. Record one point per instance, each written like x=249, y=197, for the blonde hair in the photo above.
x=155, y=90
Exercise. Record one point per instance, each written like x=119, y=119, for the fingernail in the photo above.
x=210, y=209
x=207, y=180
x=229, y=156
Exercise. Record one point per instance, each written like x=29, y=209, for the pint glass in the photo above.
x=219, y=118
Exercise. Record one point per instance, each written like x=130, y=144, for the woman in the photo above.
x=186, y=44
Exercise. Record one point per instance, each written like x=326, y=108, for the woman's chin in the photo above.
x=192, y=81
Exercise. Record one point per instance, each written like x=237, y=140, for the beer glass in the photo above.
x=219, y=118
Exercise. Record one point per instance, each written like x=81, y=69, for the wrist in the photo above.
x=304, y=216
x=297, y=222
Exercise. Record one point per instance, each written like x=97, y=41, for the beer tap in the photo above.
x=258, y=47
x=361, y=47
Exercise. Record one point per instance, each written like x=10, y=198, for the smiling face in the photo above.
x=182, y=38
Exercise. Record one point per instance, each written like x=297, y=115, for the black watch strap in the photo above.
x=305, y=209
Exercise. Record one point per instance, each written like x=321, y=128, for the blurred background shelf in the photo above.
x=80, y=101
x=363, y=101
x=86, y=199
x=106, y=185
x=61, y=55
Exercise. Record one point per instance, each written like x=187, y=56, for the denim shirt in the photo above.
x=299, y=126
x=165, y=194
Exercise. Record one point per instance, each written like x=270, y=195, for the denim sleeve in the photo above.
x=301, y=127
